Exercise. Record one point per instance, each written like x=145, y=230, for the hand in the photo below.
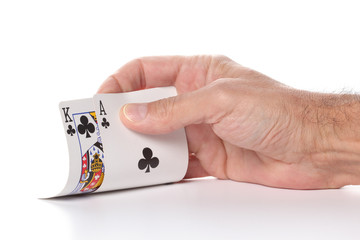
x=243, y=125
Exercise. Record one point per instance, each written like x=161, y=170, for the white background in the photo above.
x=52, y=51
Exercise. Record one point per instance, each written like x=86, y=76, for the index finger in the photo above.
x=147, y=72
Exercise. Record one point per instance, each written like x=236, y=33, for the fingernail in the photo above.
x=135, y=112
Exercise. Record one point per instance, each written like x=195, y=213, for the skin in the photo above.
x=243, y=125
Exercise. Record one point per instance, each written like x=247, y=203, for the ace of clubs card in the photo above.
x=134, y=159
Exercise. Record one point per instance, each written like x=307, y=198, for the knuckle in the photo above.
x=224, y=66
x=221, y=58
x=223, y=90
x=134, y=70
x=223, y=98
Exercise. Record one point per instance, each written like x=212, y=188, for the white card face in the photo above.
x=134, y=159
x=86, y=154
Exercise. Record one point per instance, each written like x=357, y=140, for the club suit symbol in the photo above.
x=105, y=123
x=70, y=130
x=148, y=161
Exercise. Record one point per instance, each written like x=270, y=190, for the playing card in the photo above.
x=86, y=153
x=134, y=159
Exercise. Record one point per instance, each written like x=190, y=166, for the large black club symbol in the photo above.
x=148, y=161
x=86, y=127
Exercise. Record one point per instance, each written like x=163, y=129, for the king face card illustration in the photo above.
x=86, y=153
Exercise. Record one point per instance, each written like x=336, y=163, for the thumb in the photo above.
x=169, y=114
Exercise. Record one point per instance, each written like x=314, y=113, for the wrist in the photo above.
x=335, y=123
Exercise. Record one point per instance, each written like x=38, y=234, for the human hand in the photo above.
x=243, y=125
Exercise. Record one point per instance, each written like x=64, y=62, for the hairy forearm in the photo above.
x=335, y=123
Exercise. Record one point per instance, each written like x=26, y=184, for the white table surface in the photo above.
x=196, y=209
